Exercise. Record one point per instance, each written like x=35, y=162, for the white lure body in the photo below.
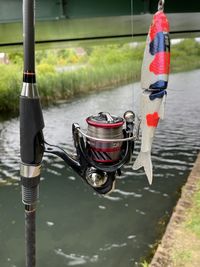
x=151, y=112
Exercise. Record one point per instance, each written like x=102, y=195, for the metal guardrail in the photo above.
x=63, y=22
x=11, y=10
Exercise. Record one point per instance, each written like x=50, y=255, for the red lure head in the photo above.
x=159, y=24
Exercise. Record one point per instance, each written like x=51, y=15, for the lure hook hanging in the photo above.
x=161, y=4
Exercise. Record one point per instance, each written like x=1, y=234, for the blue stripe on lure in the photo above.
x=160, y=43
x=157, y=94
x=159, y=85
x=159, y=90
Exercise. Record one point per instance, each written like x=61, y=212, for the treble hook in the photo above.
x=161, y=5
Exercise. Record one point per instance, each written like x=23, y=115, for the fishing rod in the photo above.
x=31, y=136
x=100, y=153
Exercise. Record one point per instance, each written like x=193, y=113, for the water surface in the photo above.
x=77, y=227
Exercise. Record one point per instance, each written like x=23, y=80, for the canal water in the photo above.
x=77, y=227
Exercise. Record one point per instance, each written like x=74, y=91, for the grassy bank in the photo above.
x=180, y=243
x=186, y=244
x=101, y=67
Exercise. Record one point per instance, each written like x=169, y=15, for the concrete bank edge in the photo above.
x=162, y=255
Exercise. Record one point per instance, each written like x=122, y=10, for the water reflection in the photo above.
x=76, y=260
x=77, y=227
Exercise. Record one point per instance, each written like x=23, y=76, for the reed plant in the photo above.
x=102, y=67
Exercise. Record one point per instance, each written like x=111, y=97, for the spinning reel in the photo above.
x=102, y=151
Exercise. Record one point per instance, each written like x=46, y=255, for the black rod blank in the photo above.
x=30, y=238
x=28, y=77
x=29, y=35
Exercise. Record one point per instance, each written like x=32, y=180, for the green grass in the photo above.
x=193, y=219
x=185, y=56
x=10, y=87
x=104, y=67
x=144, y=264
x=181, y=257
x=186, y=245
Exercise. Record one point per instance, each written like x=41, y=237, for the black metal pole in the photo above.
x=31, y=136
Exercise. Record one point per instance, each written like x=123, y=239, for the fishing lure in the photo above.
x=154, y=81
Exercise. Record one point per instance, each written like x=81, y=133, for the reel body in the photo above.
x=102, y=151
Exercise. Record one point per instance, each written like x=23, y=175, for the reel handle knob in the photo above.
x=129, y=116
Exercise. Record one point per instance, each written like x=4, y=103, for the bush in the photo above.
x=104, y=67
x=10, y=87
x=45, y=68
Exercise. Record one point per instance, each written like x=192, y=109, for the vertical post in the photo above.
x=31, y=136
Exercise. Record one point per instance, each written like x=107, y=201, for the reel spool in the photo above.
x=104, y=126
x=102, y=151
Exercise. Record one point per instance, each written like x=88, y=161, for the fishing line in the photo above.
x=132, y=19
x=132, y=29
x=134, y=96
